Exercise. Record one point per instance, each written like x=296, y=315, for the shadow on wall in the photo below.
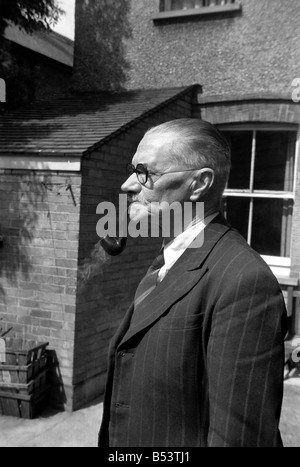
x=23, y=207
x=19, y=200
x=57, y=397
x=102, y=29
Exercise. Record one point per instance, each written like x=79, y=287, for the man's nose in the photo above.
x=131, y=184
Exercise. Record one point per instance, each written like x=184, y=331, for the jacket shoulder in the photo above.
x=233, y=255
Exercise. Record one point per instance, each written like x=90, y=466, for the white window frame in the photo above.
x=199, y=11
x=281, y=266
x=199, y=4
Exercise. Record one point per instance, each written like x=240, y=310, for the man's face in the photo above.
x=154, y=152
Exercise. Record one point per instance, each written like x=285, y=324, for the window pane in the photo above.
x=182, y=4
x=177, y=5
x=237, y=213
x=167, y=5
x=271, y=226
x=187, y=4
x=274, y=162
x=241, y=147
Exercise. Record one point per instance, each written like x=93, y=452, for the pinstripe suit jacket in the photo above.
x=203, y=363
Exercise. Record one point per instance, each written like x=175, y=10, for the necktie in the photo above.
x=149, y=282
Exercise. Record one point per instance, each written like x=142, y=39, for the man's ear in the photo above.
x=201, y=184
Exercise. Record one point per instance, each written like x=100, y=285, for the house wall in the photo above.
x=103, y=300
x=251, y=52
x=38, y=265
x=255, y=50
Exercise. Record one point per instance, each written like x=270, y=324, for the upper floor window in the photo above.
x=195, y=9
x=171, y=5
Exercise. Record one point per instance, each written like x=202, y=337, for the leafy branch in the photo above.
x=29, y=14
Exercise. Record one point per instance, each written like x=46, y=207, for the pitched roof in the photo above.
x=78, y=123
x=49, y=44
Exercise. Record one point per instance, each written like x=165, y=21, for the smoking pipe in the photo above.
x=113, y=245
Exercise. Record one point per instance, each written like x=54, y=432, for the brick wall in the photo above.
x=103, y=300
x=38, y=264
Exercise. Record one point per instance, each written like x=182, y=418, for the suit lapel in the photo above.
x=182, y=277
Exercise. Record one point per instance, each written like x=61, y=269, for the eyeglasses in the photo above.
x=142, y=172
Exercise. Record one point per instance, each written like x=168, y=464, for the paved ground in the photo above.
x=53, y=429
x=79, y=429
x=290, y=418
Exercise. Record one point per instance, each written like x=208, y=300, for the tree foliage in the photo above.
x=29, y=14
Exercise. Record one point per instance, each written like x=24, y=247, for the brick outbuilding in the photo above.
x=58, y=160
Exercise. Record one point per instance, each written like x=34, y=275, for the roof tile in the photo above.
x=77, y=123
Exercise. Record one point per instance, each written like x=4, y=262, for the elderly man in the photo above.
x=198, y=359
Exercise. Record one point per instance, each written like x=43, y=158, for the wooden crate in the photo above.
x=24, y=405
x=26, y=389
x=22, y=353
x=22, y=374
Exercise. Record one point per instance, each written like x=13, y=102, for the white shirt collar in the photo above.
x=176, y=247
